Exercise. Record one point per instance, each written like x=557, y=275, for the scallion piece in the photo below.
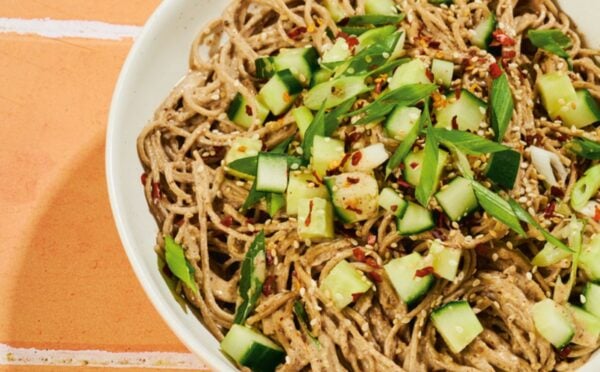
x=253, y=274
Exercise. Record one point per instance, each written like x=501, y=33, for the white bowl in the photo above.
x=155, y=64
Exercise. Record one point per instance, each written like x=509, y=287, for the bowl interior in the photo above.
x=157, y=61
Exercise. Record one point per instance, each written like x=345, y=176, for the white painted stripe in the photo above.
x=97, y=358
x=70, y=28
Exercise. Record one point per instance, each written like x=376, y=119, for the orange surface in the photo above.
x=66, y=282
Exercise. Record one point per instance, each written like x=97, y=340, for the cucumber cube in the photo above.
x=590, y=258
x=556, y=90
x=342, y=282
x=381, y=7
x=391, y=201
x=367, y=159
x=587, y=324
x=302, y=186
x=315, y=218
x=280, y=92
x=303, y=117
x=445, y=260
x=402, y=273
x=592, y=298
x=412, y=72
x=401, y=121
x=242, y=113
x=413, y=164
x=327, y=154
x=442, y=72
x=469, y=111
x=335, y=9
x=242, y=147
x=553, y=322
x=354, y=196
x=334, y=92
x=457, y=323
x=503, y=168
x=416, y=219
x=582, y=112
x=271, y=172
x=301, y=62
x=252, y=349
x=457, y=199
x=550, y=255
x=340, y=51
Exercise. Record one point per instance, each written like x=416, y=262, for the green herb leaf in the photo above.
x=388, y=66
x=406, y=95
x=245, y=165
x=553, y=41
x=462, y=163
x=253, y=274
x=178, y=264
x=303, y=320
x=275, y=202
x=468, y=143
x=282, y=147
x=585, y=148
x=375, y=54
x=430, y=163
x=254, y=196
x=372, y=20
x=406, y=145
x=497, y=207
x=524, y=216
x=501, y=106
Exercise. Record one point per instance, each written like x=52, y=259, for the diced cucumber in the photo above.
x=302, y=186
x=582, y=112
x=591, y=292
x=271, y=172
x=280, y=91
x=303, y=117
x=549, y=255
x=252, y=349
x=367, y=159
x=412, y=72
x=340, y=51
x=416, y=220
x=327, y=153
x=589, y=260
x=335, y=9
x=457, y=199
x=354, y=196
x=401, y=121
x=242, y=147
x=381, y=7
x=342, y=282
x=553, y=322
x=503, y=168
x=445, y=260
x=391, y=201
x=264, y=67
x=588, y=324
x=402, y=273
x=482, y=34
x=334, y=92
x=315, y=218
x=468, y=110
x=442, y=72
x=585, y=188
x=275, y=201
x=242, y=113
x=302, y=62
x=556, y=90
x=413, y=164
x=321, y=76
x=457, y=323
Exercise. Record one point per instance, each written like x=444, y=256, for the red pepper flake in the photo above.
x=310, y=208
x=454, y=122
x=249, y=221
x=268, y=285
x=372, y=239
x=597, y=215
x=495, y=71
x=351, y=40
x=394, y=208
x=144, y=178
x=457, y=93
x=156, y=194
x=248, y=110
x=286, y=97
x=269, y=257
x=354, y=209
x=356, y=296
x=356, y=158
x=509, y=54
x=501, y=38
x=557, y=192
x=296, y=33
x=375, y=276
x=180, y=220
x=351, y=138
x=370, y=261
x=420, y=273
x=414, y=165
x=429, y=74
x=549, y=211
x=379, y=86
x=564, y=352
x=481, y=249
x=434, y=44
x=317, y=177
x=352, y=180
x=227, y=220
x=404, y=184
x=359, y=254
x=438, y=234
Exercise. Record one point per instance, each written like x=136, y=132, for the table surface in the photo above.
x=69, y=294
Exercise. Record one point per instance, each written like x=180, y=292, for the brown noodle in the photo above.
x=191, y=197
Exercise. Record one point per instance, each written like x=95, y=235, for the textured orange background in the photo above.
x=65, y=280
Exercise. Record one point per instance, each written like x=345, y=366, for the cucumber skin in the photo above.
x=503, y=168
